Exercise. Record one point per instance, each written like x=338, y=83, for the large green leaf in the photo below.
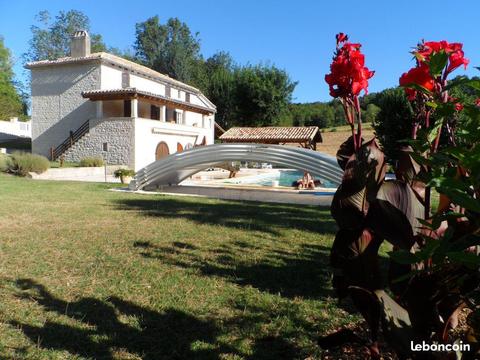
x=468, y=259
x=404, y=257
x=396, y=324
x=437, y=63
x=345, y=151
x=402, y=197
x=393, y=215
x=347, y=207
x=354, y=258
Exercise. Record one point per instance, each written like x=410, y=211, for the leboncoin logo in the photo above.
x=460, y=346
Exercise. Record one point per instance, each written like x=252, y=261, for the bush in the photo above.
x=123, y=173
x=394, y=122
x=91, y=162
x=5, y=162
x=23, y=163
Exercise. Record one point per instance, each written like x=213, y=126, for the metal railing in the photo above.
x=55, y=153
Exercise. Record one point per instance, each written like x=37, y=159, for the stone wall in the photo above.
x=117, y=133
x=57, y=103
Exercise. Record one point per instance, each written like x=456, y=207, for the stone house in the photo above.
x=99, y=104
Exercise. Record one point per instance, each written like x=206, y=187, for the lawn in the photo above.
x=91, y=273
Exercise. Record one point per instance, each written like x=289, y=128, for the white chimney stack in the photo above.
x=80, y=45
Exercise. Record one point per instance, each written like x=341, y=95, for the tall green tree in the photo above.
x=393, y=122
x=262, y=95
x=219, y=86
x=51, y=37
x=169, y=48
x=11, y=102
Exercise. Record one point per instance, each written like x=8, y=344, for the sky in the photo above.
x=297, y=36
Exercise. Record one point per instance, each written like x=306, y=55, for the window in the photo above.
x=125, y=80
x=168, y=91
x=127, y=108
x=178, y=117
x=187, y=97
x=154, y=112
x=105, y=146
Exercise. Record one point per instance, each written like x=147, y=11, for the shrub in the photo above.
x=91, y=162
x=23, y=163
x=5, y=162
x=393, y=123
x=123, y=173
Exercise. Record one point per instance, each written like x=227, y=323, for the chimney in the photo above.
x=80, y=45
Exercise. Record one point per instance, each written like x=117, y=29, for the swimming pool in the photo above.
x=276, y=178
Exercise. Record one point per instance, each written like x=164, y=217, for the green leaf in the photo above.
x=465, y=242
x=427, y=224
x=468, y=259
x=461, y=198
x=433, y=131
x=404, y=257
x=475, y=84
x=437, y=63
x=428, y=250
x=459, y=80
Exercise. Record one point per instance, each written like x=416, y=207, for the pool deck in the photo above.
x=318, y=197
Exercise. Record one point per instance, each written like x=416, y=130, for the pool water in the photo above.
x=279, y=178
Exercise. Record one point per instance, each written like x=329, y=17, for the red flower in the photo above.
x=477, y=102
x=348, y=74
x=420, y=76
x=458, y=106
x=456, y=57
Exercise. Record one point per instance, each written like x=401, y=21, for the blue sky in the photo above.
x=297, y=36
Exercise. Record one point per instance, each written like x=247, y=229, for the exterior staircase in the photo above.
x=74, y=137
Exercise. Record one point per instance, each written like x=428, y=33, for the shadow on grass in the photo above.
x=263, y=217
x=104, y=334
x=304, y=273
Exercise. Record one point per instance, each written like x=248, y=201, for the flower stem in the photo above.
x=359, y=120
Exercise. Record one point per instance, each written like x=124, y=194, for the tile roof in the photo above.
x=136, y=92
x=119, y=61
x=272, y=134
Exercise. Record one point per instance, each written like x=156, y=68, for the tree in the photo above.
x=262, y=95
x=51, y=39
x=392, y=123
x=371, y=113
x=11, y=102
x=170, y=49
x=219, y=86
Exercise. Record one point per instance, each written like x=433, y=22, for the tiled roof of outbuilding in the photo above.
x=272, y=134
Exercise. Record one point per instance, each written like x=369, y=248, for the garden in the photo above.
x=389, y=270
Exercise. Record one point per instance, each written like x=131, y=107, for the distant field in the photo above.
x=333, y=139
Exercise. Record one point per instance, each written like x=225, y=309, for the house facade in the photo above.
x=99, y=104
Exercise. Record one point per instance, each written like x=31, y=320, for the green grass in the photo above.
x=66, y=164
x=90, y=273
